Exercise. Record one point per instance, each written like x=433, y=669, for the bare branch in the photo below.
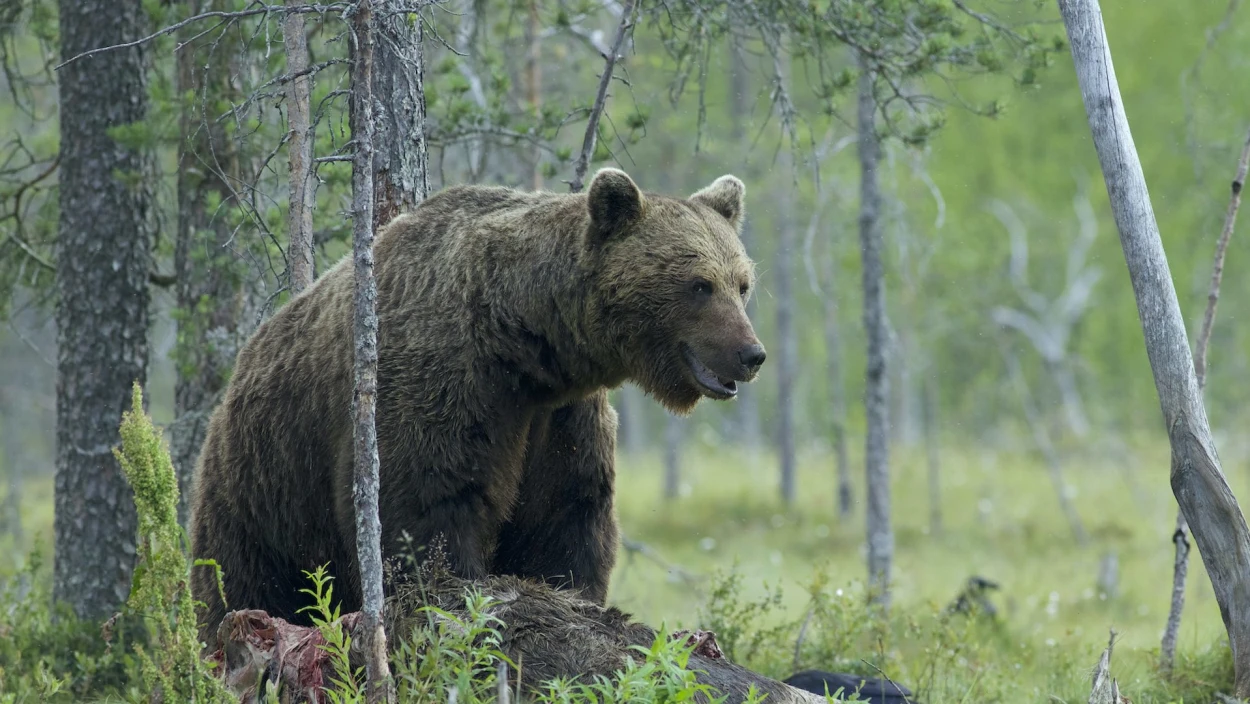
x=592, y=125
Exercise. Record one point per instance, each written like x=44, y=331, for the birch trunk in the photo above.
x=1209, y=507
x=876, y=393
x=364, y=401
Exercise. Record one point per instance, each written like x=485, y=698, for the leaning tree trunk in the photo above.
x=207, y=275
x=1210, y=509
x=876, y=380
x=104, y=259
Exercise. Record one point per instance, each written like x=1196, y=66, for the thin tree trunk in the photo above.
x=601, y=98
x=673, y=428
x=1180, y=567
x=1209, y=507
x=747, y=408
x=299, y=152
x=786, y=339
x=400, y=160
x=747, y=403
x=365, y=480
x=11, y=512
x=207, y=276
x=534, y=84
x=629, y=404
x=103, y=263
x=837, y=388
x=876, y=394
x=929, y=405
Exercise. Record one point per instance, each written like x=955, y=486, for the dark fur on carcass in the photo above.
x=556, y=634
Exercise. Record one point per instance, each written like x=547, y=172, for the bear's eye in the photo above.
x=743, y=289
x=702, y=288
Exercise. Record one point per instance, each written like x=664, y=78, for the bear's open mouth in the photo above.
x=713, y=385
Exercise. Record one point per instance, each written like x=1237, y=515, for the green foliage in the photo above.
x=161, y=589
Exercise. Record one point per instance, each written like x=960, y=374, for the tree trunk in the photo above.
x=673, y=428
x=786, y=339
x=929, y=405
x=103, y=262
x=206, y=272
x=400, y=161
x=365, y=323
x=534, y=85
x=837, y=387
x=747, y=404
x=1210, y=509
x=303, y=186
x=1180, y=537
x=632, y=421
x=876, y=380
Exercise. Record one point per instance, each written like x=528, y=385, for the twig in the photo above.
x=798, y=642
x=887, y=679
x=640, y=548
x=238, y=14
x=1180, y=537
x=592, y=126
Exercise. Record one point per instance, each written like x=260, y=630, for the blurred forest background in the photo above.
x=1025, y=436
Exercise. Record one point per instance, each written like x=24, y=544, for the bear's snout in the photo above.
x=752, y=357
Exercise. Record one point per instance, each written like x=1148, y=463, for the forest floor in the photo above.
x=733, y=552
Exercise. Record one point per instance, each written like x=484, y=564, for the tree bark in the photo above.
x=1214, y=517
x=673, y=428
x=933, y=460
x=401, y=160
x=206, y=273
x=103, y=261
x=302, y=197
x=534, y=85
x=876, y=394
x=786, y=340
x=1180, y=537
x=837, y=387
x=365, y=322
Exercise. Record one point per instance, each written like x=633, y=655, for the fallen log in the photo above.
x=551, y=634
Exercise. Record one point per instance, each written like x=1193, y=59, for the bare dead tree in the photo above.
x=1180, y=565
x=623, y=29
x=365, y=478
x=1041, y=437
x=1213, y=514
x=299, y=152
x=876, y=393
x=1048, y=322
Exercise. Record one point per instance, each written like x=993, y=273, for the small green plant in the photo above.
x=160, y=592
x=346, y=684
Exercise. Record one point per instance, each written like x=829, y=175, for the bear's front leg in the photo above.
x=563, y=529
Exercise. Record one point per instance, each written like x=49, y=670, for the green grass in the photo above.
x=1001, y=521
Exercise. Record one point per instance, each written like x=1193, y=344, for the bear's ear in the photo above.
x=726, y=196
x=614, y=201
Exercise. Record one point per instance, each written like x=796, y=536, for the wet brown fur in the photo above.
x=504, y=318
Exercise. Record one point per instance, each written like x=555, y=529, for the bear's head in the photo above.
x=671, y=282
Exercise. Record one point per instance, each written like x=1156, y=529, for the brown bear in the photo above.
x=504, y=318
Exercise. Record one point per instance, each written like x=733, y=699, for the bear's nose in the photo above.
x=752, y=356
